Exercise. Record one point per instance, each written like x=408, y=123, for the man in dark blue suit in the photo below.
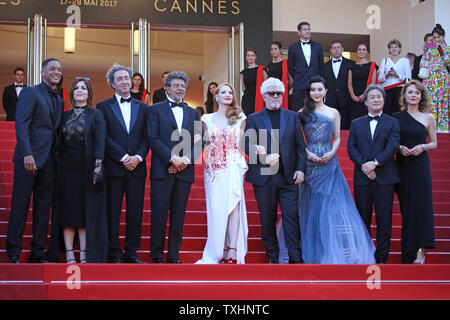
x=372, y=144
x=38, y=115
x=305, y=60
x=174, y=136
x=276, y=149
x=125, y=166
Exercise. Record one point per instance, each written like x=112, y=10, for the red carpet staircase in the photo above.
x=256, y=280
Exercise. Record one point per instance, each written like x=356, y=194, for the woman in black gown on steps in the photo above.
x=415, y=187
x=80, y=202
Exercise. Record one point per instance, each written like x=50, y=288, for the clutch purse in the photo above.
x=424, y=73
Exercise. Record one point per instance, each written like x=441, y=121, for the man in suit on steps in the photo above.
x=305, y=60
x=11, y=94
x=39, y=111
x=174, y=136
x=372, y=144
x=125, y=166
x=335, y=73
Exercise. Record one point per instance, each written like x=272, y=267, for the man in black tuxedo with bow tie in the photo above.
x=11, y=94
x=305, y=60
x=39, y=111
x=372, y=144
x=125, y=166
x=174, y=136
x=335, y=73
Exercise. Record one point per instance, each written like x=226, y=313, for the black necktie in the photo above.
x=306, y=42
x=373, y=118
x=122, y=100
x=174, y=104
x=338, y=60
x=19, y=86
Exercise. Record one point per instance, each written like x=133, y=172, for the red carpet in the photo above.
x=256, y=280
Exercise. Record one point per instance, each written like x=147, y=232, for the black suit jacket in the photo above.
x=362, y=148
x=298, y=67
x=165, y=140
x=337, y=88
x=291, y=148
x=36, y=124
x=9, y=101
x=159, y=96
x=119, y=142
x=416, y=68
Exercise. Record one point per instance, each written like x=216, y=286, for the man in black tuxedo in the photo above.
x=276, y=149
x=39, y=111
x=174, y=136
x=372, y=144
x=305, y=59
x=415, y=71
x=160, y=94
x=125, y=167
x=335, y=73
x=11, y=93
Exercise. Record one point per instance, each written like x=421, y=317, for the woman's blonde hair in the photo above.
x=233, y=112
x=423, y=104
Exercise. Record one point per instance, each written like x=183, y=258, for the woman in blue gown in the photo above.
x=332, y=231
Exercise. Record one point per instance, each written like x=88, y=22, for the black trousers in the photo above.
x=381, y=198
x=41, y=185
x=298, y=98
x=278, y=191
x=134, y=189
x=168, y=195
x=392, y=102
x=344, y=111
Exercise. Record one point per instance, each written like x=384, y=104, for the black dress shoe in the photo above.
x=295, y=260
x=174, y=261
x=14, y=259
x=273, y=261
x=113, y=260
x=157, y=260
x=131, y=259
x=41, y=259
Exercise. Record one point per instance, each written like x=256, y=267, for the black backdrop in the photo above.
x=256, y=15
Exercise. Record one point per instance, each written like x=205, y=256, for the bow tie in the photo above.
x=305, y=42
x=174, y=104
x=53, y=92
x=338, y=60
x=19, y=85
x=373, y=118
x=122, y=100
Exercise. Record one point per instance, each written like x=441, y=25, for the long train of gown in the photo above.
x=332, y=231
x=225, y=167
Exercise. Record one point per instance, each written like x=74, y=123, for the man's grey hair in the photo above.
x=272, y=82
x=374, y=87
x=176, y=75
x=116, y=67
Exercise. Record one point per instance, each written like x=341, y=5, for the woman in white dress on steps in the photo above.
x=225, y=167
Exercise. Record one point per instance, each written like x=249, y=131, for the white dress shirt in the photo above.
x=336, y=66
x=306, y=51
x=178, y=114
x=373, y=124
x=125, y=108
x=402, y=67
x=18, y=89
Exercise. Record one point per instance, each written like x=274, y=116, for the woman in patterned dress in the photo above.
x=437, y=84
x=225, y=167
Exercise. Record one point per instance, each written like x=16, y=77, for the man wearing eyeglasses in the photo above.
x=174, y=136
x=276, y=149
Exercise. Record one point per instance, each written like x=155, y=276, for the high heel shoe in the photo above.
x=225, y=255
x=70, y=257
x=83, y=256
x=232, y=258
x=420, y=257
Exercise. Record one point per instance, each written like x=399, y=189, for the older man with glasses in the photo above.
x=276, y=149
